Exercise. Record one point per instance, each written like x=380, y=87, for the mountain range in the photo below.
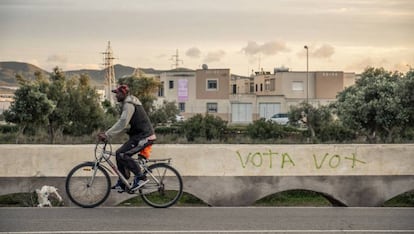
x=9, y=70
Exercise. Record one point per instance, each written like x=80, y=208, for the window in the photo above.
x=211, y=107
x=297, y=86
x=212, y=85
x=181, y=106
x=234, y=89
x=171, y=84
x=270, y=84
x=161, y=90
x=267, y=85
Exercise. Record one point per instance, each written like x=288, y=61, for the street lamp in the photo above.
x=307, y=73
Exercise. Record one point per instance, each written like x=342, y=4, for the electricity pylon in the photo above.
x=109, y=73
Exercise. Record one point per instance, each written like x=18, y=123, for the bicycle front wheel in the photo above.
x=87, y=186
x=164, y=188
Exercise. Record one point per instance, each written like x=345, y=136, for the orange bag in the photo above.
x=146, y=152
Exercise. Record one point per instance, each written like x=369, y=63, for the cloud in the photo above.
x=363, y=63
x=193, y=52
x=76, y=66
x=401, y=65
x=160, y=56
x=322, y=52
x=325, y=51
x=214, y=56
x=57, y=58
x=268, y=48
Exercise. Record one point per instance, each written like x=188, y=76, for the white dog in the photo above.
x=43, y=195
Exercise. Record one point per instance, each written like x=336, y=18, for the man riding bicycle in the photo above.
x=141, y=134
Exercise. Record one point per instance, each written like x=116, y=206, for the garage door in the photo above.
x=241, y=112
x=266, y=110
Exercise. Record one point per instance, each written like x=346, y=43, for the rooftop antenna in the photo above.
x=108, y=58
x=176, y=59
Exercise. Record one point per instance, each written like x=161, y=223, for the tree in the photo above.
x=56, y=104
x=405, y=90
x=86, y=114
x=57, y=92
x=143, y=88
x=30, y=108
x=374, y=105
x=164, y=114
x=311, y=116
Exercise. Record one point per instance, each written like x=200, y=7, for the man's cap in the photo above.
x=122, y=88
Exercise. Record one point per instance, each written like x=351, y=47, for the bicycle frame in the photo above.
x=105, y=157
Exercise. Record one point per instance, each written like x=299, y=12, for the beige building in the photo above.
x=6, y=97
x=196, y=91
x=264, y=94
x=239, y=99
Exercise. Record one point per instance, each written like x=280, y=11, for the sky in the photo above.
x=242, y=35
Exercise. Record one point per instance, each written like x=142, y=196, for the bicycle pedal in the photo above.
x=130, y=192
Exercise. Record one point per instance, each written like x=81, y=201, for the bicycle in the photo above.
x=88, y=184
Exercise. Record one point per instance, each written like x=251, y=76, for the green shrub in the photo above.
x=208, y=127
x=408, y=134
x=9, y=128
x=262, y=129
x=335, y=132
x=173, y=129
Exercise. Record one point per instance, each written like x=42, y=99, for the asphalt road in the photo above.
x=207, y=220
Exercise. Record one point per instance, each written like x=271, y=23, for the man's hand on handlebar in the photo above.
x=102, y=136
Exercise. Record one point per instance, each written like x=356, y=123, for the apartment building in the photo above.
x=239, y=99
x=196, y=91
x=6, y=97
x=275, y=93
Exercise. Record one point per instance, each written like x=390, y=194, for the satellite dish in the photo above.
x=204, y=66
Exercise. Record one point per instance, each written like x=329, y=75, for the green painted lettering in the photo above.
x=354, y=160
x=332, y=162
x=243, y=163
x=316, y=161
x=257, y=163
x=286, y=158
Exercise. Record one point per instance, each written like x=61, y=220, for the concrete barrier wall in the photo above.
x=225, y=160
x=239, y=174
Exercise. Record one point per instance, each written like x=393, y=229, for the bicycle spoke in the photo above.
x=87, y=187
x=164, y=188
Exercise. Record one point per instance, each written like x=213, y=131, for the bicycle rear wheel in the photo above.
x=164, y=188
x=87, y=187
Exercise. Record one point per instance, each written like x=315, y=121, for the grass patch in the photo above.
x=25, y=200
x=294, y=198
x=403, y=200
x=18, y=200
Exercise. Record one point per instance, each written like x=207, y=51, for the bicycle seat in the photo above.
x=142, y=157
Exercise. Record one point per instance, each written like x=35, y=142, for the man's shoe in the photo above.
x=139, y=182
x=119, y=186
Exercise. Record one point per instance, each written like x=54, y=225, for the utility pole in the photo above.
x=176, y=59
x=108, y=58
x=307, y=73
